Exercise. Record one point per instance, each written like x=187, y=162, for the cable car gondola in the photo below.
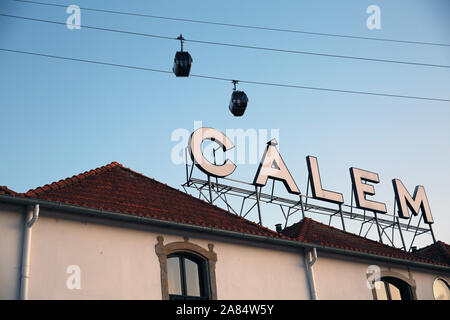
x=182, y=61
x=238, y=102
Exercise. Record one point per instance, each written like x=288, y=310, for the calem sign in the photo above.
x=272, y=166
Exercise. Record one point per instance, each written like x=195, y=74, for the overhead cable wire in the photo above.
x=225, y=79
x=89, y=27
x=235, y=45
x=85, y=60
x=241, y=25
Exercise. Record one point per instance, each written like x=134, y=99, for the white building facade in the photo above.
x=64, y=241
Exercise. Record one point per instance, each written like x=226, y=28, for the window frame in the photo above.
x=203, y=277
x=439, y=279
x=208, y=258
x=406, y=286
x=403, y=287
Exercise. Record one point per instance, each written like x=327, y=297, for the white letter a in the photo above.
x=74, y=20
x=373, y=21
x=74, y=280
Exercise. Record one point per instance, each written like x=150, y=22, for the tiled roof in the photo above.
x=5, y=190
x=439, y=251
x=310, y=231
x=118, y=189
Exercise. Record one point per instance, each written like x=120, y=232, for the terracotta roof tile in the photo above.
x=439, y=251
x=5, y=190
x=310, y=231
x=116, y=188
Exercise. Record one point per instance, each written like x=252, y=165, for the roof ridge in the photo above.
x=300, y=228
x=443, y=245
x=70, y=180
x=207, y=203
x=438, y=244
x=438, y=248
x=5, y=189
x=304, y=227
x=302, y=235
x=354, y=234
x=82, y=176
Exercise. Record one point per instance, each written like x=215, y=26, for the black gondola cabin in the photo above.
x=182, y=61
x=238, y=103
x=182, y=64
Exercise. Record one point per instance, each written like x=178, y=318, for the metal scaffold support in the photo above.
x=243, y=198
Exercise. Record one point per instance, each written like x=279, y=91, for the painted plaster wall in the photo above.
x=260, y=274
x=424, y=283
x=11, y=233
x=115, y=263
x=252, y=272
x=338, y=278
x=121, y=263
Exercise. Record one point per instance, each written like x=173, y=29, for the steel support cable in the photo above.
x=225, y=79
x=236, y=45
x=234, y=25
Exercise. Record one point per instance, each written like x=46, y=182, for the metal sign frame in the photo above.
x=250, y=197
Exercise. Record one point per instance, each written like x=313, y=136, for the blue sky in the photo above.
x=60, y=118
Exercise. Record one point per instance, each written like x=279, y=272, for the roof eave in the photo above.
x=215, y=231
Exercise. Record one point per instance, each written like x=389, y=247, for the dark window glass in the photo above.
x=381, y=290
x=187, y=277
x=395, y=292
x=192, y=278
x=389, y=288
x=441, y=290
x=174, y=275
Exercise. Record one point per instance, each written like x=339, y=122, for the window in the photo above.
x=188, y=271
x=390, y=288
x=187, y=278
x=441, y=289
